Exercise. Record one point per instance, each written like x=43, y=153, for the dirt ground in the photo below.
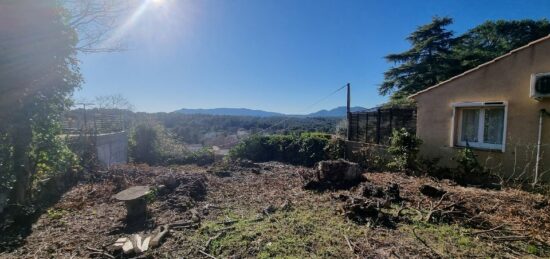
x=261, y=211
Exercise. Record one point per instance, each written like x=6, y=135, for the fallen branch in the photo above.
x=425, y=244
x=157, y=239
x=207, y=254
x=433, y=208
x=97, y=251
x=207, y=245
x=487, y=230
x=349, y=244
x=510, y=238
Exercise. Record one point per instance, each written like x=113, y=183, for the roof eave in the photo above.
x=412, y=96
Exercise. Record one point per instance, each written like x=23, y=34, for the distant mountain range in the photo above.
x=231, y=111
x=336, y=112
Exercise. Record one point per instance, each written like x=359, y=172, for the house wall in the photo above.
x=507, y=79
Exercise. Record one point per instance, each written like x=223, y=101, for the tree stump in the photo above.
x=134, y=198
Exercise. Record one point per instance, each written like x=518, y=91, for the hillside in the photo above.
x=231, y=112
x=336, y=112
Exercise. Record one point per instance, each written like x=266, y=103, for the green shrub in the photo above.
x=202, y=157
x=336, y=148
x=145, y=143
x=404, y=147
x=151, y=143
x=306, y=149
x=371, y=158
x=468, y=163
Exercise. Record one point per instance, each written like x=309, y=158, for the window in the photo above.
x=481, y=125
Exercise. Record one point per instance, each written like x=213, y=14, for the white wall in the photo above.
x=112, y=148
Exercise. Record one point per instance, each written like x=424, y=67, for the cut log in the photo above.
x=136, y=241
x=145, y=244
x=157, y=239
x=128, y=247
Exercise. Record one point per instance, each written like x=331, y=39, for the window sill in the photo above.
x=486, y=149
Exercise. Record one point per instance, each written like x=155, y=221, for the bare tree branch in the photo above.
x=94, y=21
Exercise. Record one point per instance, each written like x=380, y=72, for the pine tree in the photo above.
x=427, y=62
x=495, y=38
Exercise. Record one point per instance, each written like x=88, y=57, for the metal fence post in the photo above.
x=379, y=116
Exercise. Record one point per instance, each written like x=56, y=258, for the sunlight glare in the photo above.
x=157, y=2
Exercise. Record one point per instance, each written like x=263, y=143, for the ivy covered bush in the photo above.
x=404, y=147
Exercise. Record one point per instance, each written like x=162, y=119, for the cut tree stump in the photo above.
x=134, y=198
x=333, y=174
x=431, y=191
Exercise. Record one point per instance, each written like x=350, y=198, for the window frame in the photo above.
x=482, y=106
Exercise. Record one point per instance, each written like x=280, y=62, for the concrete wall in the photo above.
x=507, y=79
x=112, y=148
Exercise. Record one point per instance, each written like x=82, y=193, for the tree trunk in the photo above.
x=21, y=137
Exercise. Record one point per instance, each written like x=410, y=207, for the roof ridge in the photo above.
x=482, y=65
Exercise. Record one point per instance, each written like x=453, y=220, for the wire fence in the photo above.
x=375, y=126
x=95, y=121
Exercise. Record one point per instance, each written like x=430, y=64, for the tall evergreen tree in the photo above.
x=427, y=62
x=495, y=38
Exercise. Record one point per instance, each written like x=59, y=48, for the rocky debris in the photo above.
x=333, y=174
x=431, y=191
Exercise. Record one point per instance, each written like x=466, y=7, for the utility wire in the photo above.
x=291, y=117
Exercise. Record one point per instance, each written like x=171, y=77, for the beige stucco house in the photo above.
x=495, y=109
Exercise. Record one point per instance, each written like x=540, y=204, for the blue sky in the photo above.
x=275, y=55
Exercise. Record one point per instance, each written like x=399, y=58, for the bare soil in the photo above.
x=262, y=210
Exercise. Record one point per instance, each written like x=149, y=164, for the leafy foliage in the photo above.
x=468, y=163
x=371, y=157
x=404, y=147
x=151, y=143
x=305, y=149
x=145, y=143
x=35, y=91
x=495, y=38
